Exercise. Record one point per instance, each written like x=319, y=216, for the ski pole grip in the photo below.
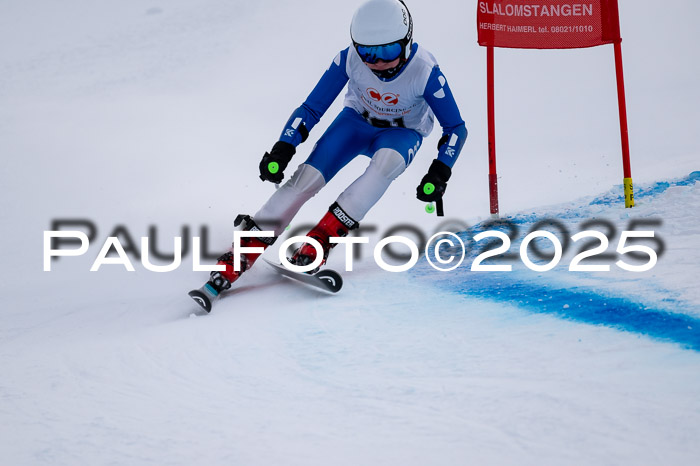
x=440, y=209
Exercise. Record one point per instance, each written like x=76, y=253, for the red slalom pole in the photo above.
x=493, y=177
x=624, y=137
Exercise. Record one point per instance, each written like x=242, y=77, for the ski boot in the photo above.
x=221, y=281
x=336, y=223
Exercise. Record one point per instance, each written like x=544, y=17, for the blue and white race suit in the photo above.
x=385, y=120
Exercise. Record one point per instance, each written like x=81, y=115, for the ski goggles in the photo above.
x=374, y=53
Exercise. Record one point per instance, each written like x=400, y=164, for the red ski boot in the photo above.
x=222, y=281
x=336, y=223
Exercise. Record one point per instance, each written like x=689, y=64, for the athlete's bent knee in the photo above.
x=306, y=179
x=388, y=163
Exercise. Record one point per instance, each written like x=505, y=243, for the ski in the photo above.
x=327, y=280
x=204, y=296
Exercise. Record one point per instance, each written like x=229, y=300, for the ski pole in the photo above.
x=437, y=207
x=429, y=188
x=440, y=208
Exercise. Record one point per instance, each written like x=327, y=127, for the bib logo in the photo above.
x=386, y=99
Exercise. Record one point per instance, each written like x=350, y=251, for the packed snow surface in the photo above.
x=149, y=119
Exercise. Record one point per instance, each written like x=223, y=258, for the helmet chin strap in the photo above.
x=391, y=72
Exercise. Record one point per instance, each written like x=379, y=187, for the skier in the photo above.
x=395, y=90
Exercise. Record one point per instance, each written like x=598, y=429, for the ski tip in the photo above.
x=201, y=299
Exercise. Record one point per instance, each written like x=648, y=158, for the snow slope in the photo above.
x=411, y=368
x=141, y=114
x=662, y=302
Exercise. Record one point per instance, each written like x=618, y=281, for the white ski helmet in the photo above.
x=382, y=30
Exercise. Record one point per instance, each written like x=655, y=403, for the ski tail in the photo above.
x=327, y=280
x=205, y=296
